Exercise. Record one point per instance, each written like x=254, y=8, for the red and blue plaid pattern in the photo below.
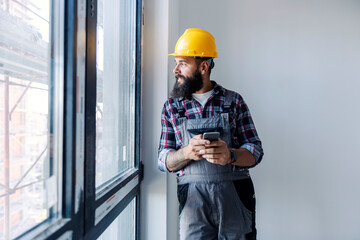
x=243, y=130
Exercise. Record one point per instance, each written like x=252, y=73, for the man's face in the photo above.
x=188, y=77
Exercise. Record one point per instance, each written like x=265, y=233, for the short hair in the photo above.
x=210, y=61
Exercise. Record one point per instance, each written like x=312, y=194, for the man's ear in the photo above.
x=204, y=67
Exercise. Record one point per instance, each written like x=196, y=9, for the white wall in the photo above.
x=153, y=206
x=173, y=207
x=297, y=64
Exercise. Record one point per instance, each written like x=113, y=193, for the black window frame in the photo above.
x=91, y=203
x=80, y=224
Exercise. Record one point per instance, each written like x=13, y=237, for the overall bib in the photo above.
x=210, y=201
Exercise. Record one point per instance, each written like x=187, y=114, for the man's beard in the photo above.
x=188, y=87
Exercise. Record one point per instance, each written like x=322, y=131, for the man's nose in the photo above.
x=176, y=70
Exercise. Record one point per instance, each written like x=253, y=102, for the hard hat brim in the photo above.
x=187, y=55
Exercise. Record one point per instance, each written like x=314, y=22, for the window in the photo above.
x=69, y=119
x=115, y=88
x=112, y=114
x=30, y=117
x=123, y=227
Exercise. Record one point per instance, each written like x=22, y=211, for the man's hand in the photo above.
x=216, y=152
x=195, y=146
x=177, y=160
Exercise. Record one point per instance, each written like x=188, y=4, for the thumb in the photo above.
x=198, y=137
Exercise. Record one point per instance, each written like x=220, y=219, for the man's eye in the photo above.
x=181, y=64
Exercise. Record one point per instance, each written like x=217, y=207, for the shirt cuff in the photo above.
x=255, y=150
x=162, y=160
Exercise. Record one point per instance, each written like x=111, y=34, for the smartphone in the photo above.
x=211, y=136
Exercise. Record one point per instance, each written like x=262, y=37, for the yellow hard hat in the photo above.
x=195, y=42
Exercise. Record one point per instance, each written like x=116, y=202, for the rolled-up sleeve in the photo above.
x=255, y=149
x=247, y=133
x=167, y=140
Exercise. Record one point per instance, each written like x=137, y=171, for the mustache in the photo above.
x=179, y=76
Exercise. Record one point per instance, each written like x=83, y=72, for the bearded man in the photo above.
x=215, y=192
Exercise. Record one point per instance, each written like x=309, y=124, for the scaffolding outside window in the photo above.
x=49, y=185
x=29, y=172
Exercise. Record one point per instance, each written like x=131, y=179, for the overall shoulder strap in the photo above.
x=229, y=96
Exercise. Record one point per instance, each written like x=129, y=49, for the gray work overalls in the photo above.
x=209, y=204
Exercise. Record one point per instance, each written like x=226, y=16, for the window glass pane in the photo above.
x=115, y=107
x=123, y=227
x=28, y=183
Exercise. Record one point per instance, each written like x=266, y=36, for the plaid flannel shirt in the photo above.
x=243, y=130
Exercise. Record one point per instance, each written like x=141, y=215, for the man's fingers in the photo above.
x=213, y=160
x=198, y=137
x=211, y=150
x=212, y=156
x=200, y=142
x=198, y=148
x=218, y=143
